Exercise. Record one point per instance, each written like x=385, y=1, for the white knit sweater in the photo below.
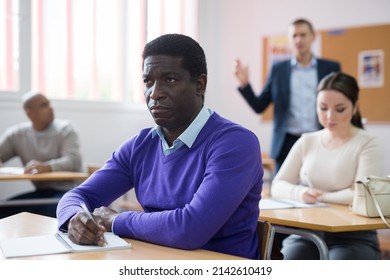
x=332, y=171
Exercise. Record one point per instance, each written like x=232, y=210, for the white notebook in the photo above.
x=270, y=203
x=55, y=244
x=12, y=170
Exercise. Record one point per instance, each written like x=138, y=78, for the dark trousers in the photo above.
x=46, y=209
x=289, y=141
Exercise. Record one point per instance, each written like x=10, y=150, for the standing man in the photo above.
x=45, y=144
x=291, y=86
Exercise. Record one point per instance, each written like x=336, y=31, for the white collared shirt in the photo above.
x=188, y=137
x=302, y=111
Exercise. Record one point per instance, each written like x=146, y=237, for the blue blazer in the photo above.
x=277, y=91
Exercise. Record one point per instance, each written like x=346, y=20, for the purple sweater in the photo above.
x=205, y=196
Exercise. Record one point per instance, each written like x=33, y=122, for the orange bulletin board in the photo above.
x=349, y=46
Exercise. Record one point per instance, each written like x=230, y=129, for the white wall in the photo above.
x=228, y=29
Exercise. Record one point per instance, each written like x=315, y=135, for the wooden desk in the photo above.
x=49, y=176
x=335, y=218
x=268, y=163
x=27, y=224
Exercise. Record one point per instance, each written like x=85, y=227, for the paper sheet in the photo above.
x=11, y=170
x=269, y=203
x=55, y=244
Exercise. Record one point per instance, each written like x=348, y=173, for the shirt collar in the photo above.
x=188, y=137
x=294, y=62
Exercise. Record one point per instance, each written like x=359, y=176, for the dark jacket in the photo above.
x=277, y=91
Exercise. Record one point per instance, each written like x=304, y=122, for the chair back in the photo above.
x=265, y=235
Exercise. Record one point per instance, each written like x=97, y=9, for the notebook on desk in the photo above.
x=11, y=170
x=55, y=244
x=271, y=203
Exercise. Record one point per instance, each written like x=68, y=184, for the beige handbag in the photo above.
x=371, y=197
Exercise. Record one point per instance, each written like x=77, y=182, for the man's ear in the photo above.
x=29, y=112
x=201, y=84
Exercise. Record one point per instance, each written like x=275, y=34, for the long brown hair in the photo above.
x=348, y=86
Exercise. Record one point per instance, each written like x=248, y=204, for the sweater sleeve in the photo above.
x=286, y=183
x=7, y=150
x=70, y=159
x=371, y=158
x=261, y=102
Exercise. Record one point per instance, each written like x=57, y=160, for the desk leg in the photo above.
x=318, y=241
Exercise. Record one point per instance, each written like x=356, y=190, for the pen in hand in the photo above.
x=312, y=192
x=91, y=217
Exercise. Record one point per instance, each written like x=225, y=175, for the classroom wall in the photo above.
x=234, y=29
x=228, y=29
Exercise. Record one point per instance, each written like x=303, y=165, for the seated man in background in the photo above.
x=197, y=176
x=43, y=145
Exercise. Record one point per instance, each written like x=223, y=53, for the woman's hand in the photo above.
x=311, y=196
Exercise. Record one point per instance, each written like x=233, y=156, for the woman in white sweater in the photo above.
x=323, y=166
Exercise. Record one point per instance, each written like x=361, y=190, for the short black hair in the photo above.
x=179, y=45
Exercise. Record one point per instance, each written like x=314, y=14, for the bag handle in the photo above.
x=369, y=190
x=377, y=178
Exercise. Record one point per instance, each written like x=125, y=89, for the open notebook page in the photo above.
x=55, y=244
x=270, y=203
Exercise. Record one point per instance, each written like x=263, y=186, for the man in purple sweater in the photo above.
x=197, y=175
